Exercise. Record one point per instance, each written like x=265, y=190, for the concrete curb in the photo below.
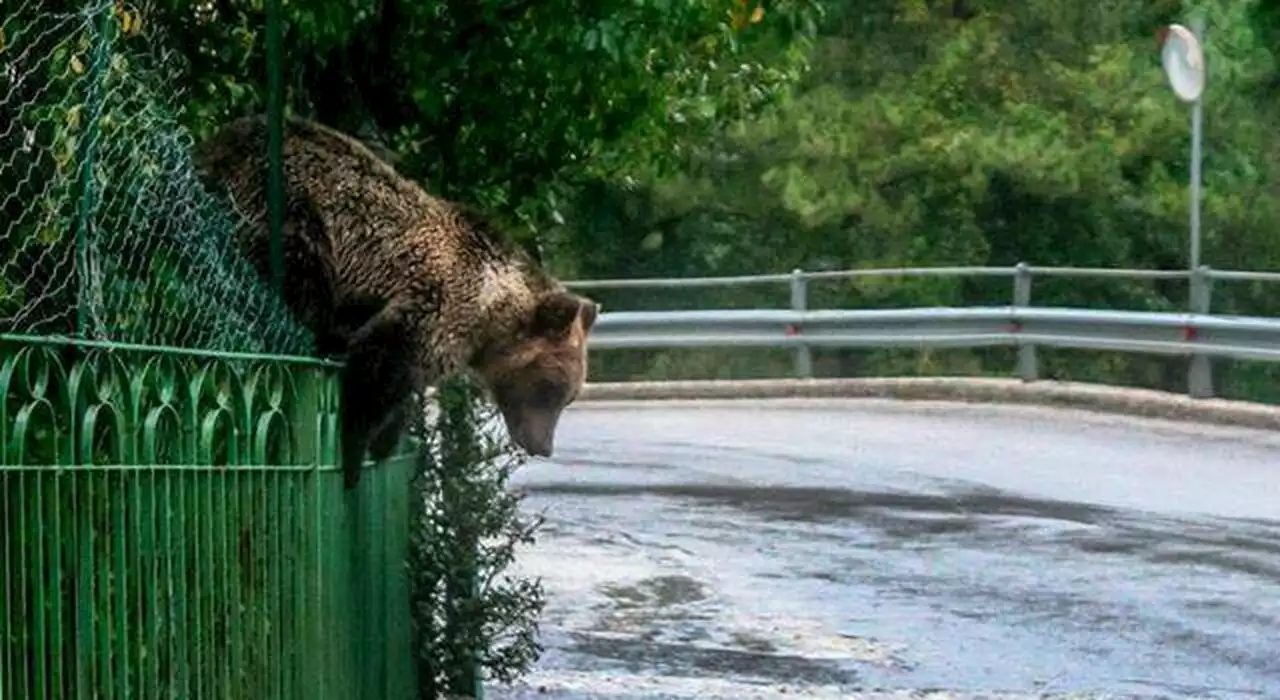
x=1093, y=397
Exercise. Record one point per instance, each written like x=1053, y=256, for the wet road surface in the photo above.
x=872, y=549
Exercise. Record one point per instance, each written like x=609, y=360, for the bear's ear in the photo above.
x=555, y=314
x=590, y=311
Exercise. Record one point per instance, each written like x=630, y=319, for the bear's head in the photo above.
x=542, y=371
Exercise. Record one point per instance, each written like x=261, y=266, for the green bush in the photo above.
x=472, y=618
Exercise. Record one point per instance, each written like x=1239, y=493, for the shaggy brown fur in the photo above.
x=411, y=287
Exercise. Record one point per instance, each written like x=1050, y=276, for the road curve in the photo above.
x=877, y=549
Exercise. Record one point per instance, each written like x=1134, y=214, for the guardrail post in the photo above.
x=1028, y=364
x=1200, y=373
x=799, y=302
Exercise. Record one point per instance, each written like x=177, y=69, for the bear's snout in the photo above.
x=534, y=432
x=538, y=446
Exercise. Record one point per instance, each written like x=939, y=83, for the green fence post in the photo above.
x=305, y=421
x=48, y=672
x=85, y=151
x=275, y=141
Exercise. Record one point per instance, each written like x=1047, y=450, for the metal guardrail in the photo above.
x=1132, y=331
x=1021, y=269
x=1196, y=334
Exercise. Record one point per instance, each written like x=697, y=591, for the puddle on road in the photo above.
x=657, y=592
x=810, y=504
x=1246, y=546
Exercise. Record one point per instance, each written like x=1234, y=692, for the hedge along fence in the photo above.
x=174, y=524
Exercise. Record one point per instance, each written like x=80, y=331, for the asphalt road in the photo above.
x=873, y=549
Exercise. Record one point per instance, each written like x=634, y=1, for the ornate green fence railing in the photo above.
x=175, y=526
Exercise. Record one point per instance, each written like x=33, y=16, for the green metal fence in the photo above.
x=175, y=526
x=173, y=522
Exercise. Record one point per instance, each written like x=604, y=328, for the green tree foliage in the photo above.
x=504, y=103
x=973, y=132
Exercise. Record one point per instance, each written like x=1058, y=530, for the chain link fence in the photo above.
x=107, y=232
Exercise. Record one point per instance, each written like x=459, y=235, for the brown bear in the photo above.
x=409, y=287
